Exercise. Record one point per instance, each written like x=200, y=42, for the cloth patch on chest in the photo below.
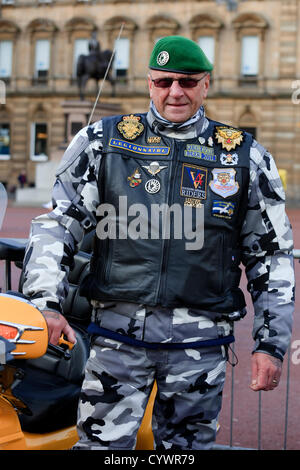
x=193, y=181
x=201, y=152
x=140, y=149
x=224, y=209
x=223, y=182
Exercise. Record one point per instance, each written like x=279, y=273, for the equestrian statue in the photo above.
x=93, y=65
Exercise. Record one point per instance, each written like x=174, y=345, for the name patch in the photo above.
x=140, y=149
x=201, y=152
x=223, y=209
x=193, y=181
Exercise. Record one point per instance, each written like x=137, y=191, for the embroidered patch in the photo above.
x=223, y=209
x=228, y=137
x=229, y=159
x=141, y=149
x=193, y=181
x=223, y=182
x=201, y=152
x=130, y=127
x=135, y=179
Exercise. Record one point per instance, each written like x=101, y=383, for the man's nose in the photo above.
x=175, y=89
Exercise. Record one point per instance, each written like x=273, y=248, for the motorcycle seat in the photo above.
x=12, y=249
x=51, y=386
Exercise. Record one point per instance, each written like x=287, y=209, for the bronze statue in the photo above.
x=93, y=65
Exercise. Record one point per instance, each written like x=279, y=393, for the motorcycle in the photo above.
x=40, y=383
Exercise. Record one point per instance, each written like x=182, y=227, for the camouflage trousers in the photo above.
x=117, y=385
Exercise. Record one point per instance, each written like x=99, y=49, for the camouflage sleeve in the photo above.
x=54, y=236
x=267, y=245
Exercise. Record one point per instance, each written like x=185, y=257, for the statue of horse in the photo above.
x=94, y=66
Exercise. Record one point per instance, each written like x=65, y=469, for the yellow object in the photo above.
x=283, y=177
x=145, y=439
x=63, y=439
x=28, y=330
x=11, y=435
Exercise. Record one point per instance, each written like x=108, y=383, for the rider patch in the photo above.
x=223, y=182
x=193, y=181
x=130, y=127
x=200, y=151
x=141, y=149
x=223, y=209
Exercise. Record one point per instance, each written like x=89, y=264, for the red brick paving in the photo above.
x=245, y=431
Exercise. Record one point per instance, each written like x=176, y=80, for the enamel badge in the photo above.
x=228, y=137
x=229, y=159
x=130, y=127
x=152, y=186
x=153, y=139
x=154, y=168
x=223, y=182
x=135, y=179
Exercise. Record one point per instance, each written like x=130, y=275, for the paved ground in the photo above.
x=250, y=428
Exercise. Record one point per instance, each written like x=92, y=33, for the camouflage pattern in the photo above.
x=118, y=383
x=161, y=325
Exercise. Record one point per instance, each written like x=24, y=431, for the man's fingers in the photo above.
x=266, y=372
x=57, y=324
x=70, y=334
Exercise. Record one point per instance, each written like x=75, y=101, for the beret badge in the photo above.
x=163, y=58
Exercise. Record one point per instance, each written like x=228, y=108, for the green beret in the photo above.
x=180, y=55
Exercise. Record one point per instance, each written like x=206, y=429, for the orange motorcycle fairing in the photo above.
x=11, y=435
x=28, y=330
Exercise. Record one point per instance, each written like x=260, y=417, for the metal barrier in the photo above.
x=296, y=255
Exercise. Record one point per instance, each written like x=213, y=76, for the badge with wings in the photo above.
x=228, y=137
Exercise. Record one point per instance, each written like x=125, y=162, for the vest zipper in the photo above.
x=161, y=286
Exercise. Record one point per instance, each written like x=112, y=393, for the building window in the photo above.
x=250, y=56
x=207, y=44
x=42, y=60
x=121, y=59
x=251, y=130
x=6, y=48
x=81, y=46
x=39, y=139
x=4, y=141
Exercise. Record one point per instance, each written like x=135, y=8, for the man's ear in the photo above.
x=150, y=85
x=206, y=85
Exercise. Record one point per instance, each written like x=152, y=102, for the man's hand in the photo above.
x=57, y=324
x=266, y=372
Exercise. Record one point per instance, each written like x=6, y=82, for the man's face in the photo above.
x=178, y=104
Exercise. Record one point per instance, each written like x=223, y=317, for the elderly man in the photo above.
x=164, y=306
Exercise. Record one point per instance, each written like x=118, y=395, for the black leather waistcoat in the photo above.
x=150, y=262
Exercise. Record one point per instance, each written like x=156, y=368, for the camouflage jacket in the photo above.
x=266, y=240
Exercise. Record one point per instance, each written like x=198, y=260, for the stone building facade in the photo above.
x=255, y=83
